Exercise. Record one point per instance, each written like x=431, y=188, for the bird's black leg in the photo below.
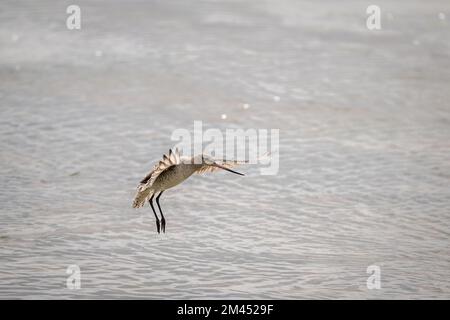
x=163, y=221
x=156, y=216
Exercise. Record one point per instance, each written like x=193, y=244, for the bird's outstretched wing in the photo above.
x=144, y=188
x=172, y=159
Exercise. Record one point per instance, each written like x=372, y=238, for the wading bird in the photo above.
x=171, y=171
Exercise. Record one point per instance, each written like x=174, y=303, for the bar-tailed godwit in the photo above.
x=172, y=170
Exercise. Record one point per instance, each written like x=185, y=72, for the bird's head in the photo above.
x=206, y=160
x=210, y=161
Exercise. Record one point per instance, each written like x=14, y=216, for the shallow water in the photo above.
x=364, y=122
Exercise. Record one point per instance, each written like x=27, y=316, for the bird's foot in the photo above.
x=163, y=225
x=158, y=226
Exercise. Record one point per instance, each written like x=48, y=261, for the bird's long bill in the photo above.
x=229, y=170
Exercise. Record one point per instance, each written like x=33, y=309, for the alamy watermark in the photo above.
x=73, y=21
x=256, y=146
x=74, y=279
x=374, y=280
x=373, y=21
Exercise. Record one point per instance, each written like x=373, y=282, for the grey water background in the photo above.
x=364, y=121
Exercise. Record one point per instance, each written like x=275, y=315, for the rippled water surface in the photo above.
x=364, y=121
